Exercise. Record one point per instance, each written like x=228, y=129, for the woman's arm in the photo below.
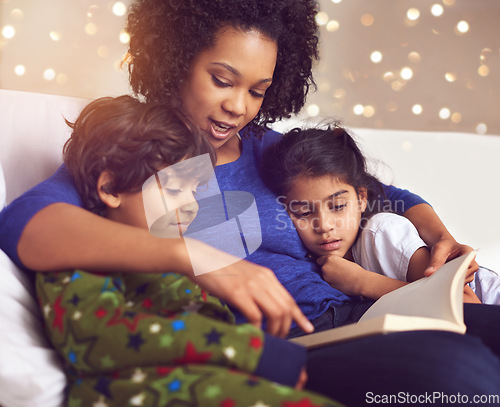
x=432, y=230
x=443, y=245
x=63, y=236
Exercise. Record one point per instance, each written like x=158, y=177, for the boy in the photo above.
x=147, y=339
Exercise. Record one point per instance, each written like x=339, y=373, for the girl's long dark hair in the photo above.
x=316, y=152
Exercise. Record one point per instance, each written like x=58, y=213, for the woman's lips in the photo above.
x=331, y=245
x=220, y=130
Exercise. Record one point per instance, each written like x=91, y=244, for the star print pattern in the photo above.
x=154, y=340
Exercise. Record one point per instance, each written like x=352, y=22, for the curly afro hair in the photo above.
x=166, y=35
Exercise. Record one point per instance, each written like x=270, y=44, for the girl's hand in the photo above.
x=342, y=274
x=447, y=248
x=470, y=296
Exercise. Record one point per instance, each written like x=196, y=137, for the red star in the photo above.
x=163, y=370
x=227, y=403
x=101, y=313
x=147, y=303
x=130, y=323
x=192, y=356
x=301, y=403
x=204, y=295
x=255, y=342
x=59, y=317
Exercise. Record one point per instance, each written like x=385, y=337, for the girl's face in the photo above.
x=226, y=85
x=326, y=213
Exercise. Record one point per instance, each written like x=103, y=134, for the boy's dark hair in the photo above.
x=166, y=36
x=317, y=152
x=129, y=139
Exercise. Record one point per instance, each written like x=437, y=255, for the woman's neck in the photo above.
x=230, y=151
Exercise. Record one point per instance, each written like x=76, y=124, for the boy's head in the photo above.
x=119, y=143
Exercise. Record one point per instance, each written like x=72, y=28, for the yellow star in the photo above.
x=100, y=402
x=230, y=352
x=46, y=310
x=137, y=400
x=139, y=376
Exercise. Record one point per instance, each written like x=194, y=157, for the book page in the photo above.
x=431, y=303
x=439, y=296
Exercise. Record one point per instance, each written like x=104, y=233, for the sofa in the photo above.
x=455, y=172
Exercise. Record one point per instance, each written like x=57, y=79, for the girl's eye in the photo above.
x=301, y=214
x=220, y=83
x=339, y=207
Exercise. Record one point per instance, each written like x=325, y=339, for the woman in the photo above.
x=229, y=65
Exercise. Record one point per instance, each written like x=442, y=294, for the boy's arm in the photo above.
x=94, y=329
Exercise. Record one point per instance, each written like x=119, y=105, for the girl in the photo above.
x=232, y=67
x=337, y=207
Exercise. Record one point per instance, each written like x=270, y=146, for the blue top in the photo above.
x=281, y=249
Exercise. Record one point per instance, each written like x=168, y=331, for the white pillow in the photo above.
x=30, y=371
x=3, y=191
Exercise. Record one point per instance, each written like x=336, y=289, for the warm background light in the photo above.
x=416, y=65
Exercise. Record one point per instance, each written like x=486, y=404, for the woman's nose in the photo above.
x=235, y=103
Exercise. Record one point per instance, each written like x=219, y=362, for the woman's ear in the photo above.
x=362, y=198
x=111, y=200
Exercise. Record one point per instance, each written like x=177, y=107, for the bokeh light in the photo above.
x=462, y=27
x=444, y=113
x=119, y=9
x=437, y=10
x=8, y=32
x=376, y=57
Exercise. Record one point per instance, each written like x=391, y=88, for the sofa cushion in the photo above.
x=30, y=372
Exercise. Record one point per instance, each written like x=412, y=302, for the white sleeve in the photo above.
x=385, y=245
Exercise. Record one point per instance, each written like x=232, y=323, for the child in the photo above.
x=149, y=339
x=338, y=209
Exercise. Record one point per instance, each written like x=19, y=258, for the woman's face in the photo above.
x=226, y=85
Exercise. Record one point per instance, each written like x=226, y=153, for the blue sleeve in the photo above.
x=281, y=361
x=13, y=219
x=401, y=199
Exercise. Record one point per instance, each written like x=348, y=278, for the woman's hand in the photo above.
x=251, y=288
x=447, y=248
x=442, y=244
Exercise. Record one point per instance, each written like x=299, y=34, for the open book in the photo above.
x=431, y=303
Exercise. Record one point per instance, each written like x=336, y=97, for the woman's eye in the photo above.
x=220, y=83
x=257, y=94
x=340, y=207
x=301, y=214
